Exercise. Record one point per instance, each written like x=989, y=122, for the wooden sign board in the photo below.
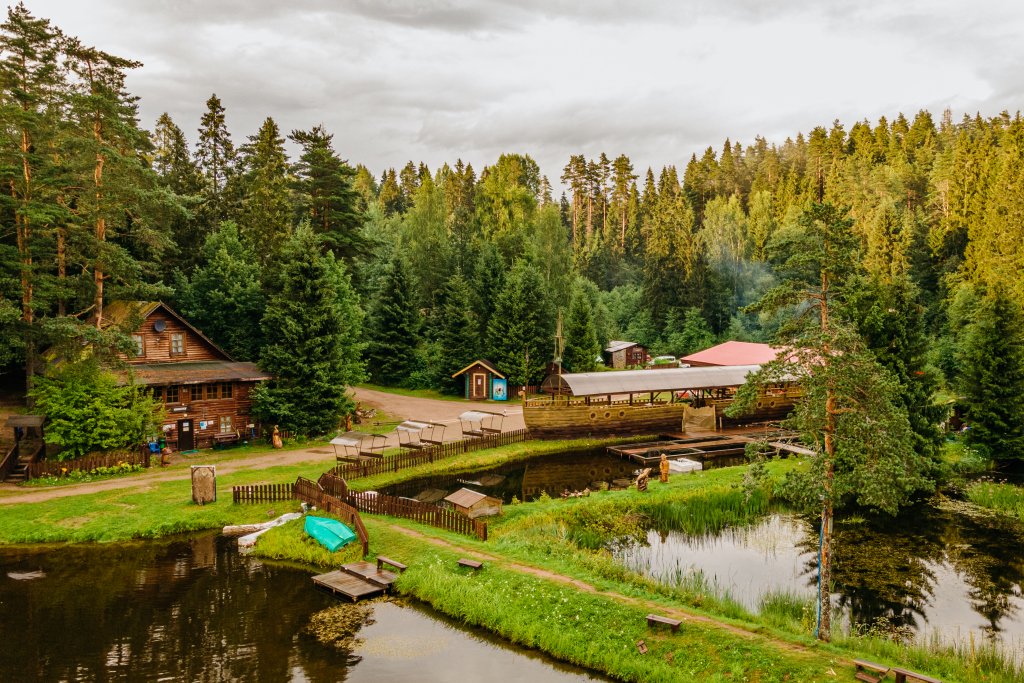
x=204, y=484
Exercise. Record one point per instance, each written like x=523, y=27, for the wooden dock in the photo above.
x=701, y=447
x=358, y=580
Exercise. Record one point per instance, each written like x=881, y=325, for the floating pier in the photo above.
x=357, y=580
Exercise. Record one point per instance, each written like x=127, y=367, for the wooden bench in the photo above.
x=381, y=561
x=655, y=619
x=225, y=440
x=472, y=564
x=904, y=675
x=869, y=672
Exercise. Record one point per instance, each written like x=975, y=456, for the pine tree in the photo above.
x=992, y=377
x=107, y=147
x=581, y=346
x=266, y=218
x=223, y=296
x=518, y=335
x=327, y=197
x=312, y=328
x=850, y=408
x=33, y=88
x=393, y=328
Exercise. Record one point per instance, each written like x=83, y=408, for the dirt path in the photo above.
x=674, y=612
x=406, y=407
x=435, y=410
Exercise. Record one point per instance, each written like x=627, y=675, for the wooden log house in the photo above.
x=205, y=392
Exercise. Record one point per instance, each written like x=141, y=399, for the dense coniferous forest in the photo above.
x=408, y=274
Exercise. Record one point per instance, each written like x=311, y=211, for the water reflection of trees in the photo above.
x=191, y=610
x=886, y=569
x=987, y=553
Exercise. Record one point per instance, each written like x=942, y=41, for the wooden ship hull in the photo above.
x=561, y=419
x=557, y=419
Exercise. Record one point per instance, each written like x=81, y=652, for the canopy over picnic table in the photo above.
x=359, y=445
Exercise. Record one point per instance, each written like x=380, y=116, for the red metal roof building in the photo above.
x=732, y=353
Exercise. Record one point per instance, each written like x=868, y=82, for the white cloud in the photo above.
x=659, y=81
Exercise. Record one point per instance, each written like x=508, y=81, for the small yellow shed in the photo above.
x=474, y=504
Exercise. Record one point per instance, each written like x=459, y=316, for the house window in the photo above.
x=172, y=395
x=212, y=390
x=140, y=345
x=158, y=393
x=196, y=392
x=225, y=390
x=225, y=425
x=177, y=343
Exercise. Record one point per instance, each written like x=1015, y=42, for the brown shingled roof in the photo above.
x=197, y=372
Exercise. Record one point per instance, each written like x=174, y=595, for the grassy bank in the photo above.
x=588, y=629
x=158, y=509
x=1006, y=499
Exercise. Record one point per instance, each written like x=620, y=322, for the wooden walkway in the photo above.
x=702, y=447
x=357, y=580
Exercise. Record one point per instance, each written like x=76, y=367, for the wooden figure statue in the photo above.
x=663, y=469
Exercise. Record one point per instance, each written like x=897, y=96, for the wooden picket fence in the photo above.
x=311, y=492
x=425, y=513
x=394, y=463
x=262, y=493
x=335, y=486
x=59, y=468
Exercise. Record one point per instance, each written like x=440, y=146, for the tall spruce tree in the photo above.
x=326, y=196
x=519, y=332
x=179, y=176
x=393, y=327
x=457, y=338
x=216, y=155
x=267, y=213
x=891, y=321
x=992, y=377
x=581, y=346
x=223, y=297
x=312, y=328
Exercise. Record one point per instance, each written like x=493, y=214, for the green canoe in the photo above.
x=331, y=533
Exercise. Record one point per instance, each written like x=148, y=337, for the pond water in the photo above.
x=194, y=609
x=932, y=571
x=527, y=479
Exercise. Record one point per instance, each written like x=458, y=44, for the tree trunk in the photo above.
x=62, y=269
x=101, y=222
x=825, y=558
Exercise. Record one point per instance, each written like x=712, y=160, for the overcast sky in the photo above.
x=434, y=81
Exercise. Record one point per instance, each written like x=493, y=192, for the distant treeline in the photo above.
x=427, y=269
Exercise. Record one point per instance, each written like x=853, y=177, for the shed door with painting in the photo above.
x=479, y=385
